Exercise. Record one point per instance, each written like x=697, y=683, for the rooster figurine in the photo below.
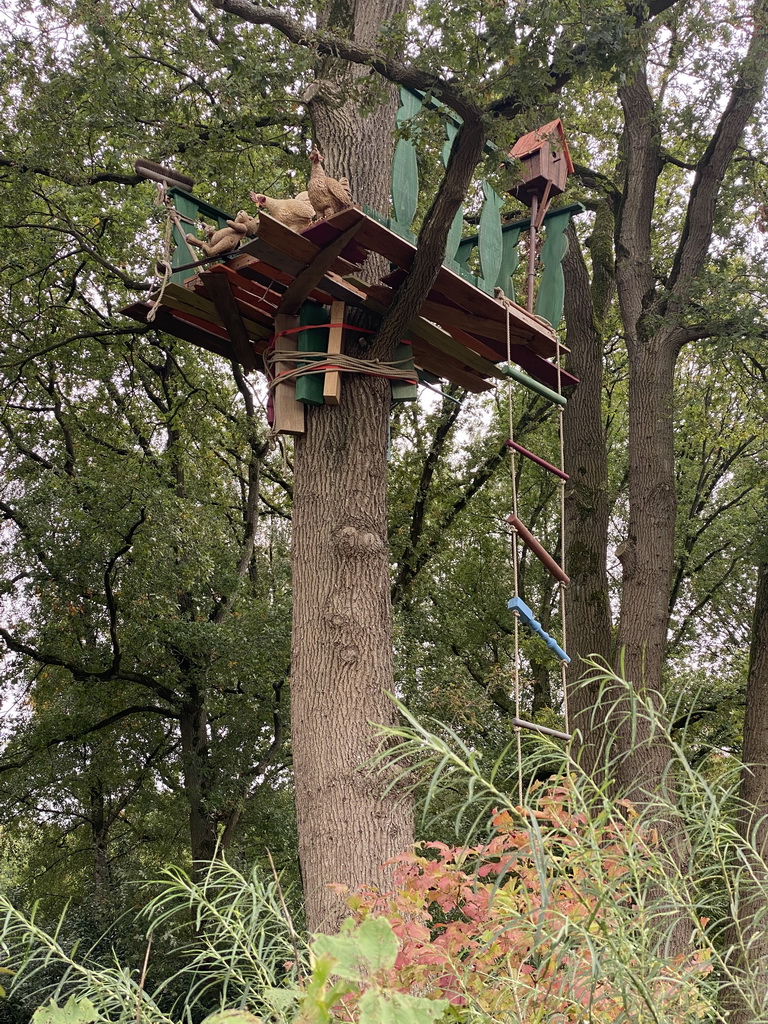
x=327, y=195
x=296, y=214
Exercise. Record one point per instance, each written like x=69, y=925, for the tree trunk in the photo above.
x=342, y=649
x=102, y=867
x=747, y=998
x=647, y=558
x=588, y=620
x=342, y=617
x=354, y=143
x=194, y=754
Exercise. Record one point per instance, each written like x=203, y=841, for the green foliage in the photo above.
x=553, y=907
x=74, y=1011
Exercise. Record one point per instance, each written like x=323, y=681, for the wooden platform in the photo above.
x=229, y=307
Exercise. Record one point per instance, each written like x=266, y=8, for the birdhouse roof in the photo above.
x=534, y=140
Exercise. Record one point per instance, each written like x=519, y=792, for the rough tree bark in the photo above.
x=747, y=999
x=588, y=619
x=342, y=620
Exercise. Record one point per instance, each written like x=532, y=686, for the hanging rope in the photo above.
x=516, y=604
x=562, y=482
x=163, y=200
x=516, y=614
x=172, y=219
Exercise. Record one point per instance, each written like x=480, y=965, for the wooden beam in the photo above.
x=379, y=299
x=296, y=293
x=537, y=459
x=289, y=414
x=219, y=289
x=332, y=383
x=176, y=297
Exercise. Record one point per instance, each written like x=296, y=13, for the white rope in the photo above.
x=163, y=199
x=563, y=664
x=513, y=470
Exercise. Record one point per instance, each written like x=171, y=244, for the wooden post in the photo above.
x=532, y=253
x=332, y=383
x=289, y=414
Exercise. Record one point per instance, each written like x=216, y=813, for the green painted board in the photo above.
x=402, y=391
x=550, y=297
x=193, y=208
x=510, y=257
x=405, y=169
x=489, y=235
x=309, y=389
x=457, y=226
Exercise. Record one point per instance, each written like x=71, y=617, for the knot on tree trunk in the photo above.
x=625, y=552
x=355, y=542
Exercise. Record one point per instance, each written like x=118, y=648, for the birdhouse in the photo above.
x=545, y=163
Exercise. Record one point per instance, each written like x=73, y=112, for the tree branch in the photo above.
x=693, y=248
x=74, y=737
x=335, y=46
x=84, y=674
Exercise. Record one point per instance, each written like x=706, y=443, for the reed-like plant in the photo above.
x=553, y=909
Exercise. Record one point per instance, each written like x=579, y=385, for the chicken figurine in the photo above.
x=296, y=214
x=327, y=195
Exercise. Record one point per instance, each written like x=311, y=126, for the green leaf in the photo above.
x=232, y=1017
x=75, y=1011
x=369, y=948
x=380, y=1007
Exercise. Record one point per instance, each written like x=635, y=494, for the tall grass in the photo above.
x=588, y=888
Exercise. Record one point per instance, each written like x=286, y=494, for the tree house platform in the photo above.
x=228, y=305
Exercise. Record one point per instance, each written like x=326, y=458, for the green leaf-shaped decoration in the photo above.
x=74, y=1011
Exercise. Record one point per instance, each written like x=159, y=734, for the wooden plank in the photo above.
x=167, y=322
x=299, y=290
x=332, y=382
x=219, y=288
x=325, y=231
x=452, y=316
x=276, y=238
x=183, y=299
x=380, y=298
x=537, y=366
x=261, y=297
x=428, y=358
x=331, y=286
x=342, y=289
x=289, y=414
x=451, y=289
